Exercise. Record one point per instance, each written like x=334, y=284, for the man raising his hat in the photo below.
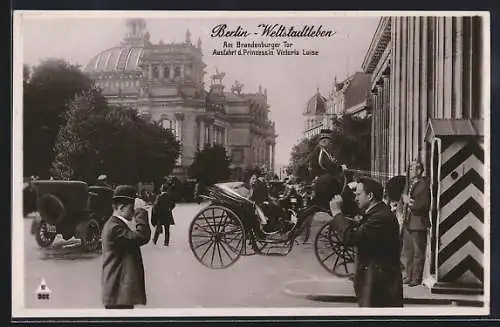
x=123, y=284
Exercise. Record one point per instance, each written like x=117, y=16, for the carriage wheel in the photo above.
x=332, y=254
x=216, y=237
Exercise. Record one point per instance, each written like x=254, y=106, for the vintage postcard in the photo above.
x=173, y=164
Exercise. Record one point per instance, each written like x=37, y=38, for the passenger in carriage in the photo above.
x=267, y=210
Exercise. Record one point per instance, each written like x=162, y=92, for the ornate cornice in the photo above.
x=379, y=43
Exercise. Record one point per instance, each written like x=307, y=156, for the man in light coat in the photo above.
x=123, y=283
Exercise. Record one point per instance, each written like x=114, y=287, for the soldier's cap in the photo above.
x=127, y=192
x=102, y=178
x=325, y=134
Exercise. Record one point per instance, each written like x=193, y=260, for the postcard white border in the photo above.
x=18, y=309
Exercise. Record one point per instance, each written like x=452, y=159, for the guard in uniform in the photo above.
x=416, y=203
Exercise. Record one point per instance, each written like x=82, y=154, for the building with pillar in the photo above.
x=428, y=104
x=165, y=83
x=314, y=114
x=348, y=97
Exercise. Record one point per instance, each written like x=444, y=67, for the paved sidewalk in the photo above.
x=341, y=290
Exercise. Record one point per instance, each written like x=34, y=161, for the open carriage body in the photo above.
x=230, y=227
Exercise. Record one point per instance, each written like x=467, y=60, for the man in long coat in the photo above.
x=123, y=284
x=415, y=224
x=377, y=278
x=161, y=216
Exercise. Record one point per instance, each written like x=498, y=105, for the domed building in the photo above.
x=165, y=83
x=314, y=113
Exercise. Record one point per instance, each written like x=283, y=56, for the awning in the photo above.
x=454, y=127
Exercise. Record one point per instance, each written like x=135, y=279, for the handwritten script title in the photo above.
x=273, y=30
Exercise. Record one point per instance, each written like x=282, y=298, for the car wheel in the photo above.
x=43, y=237
x=90, y=235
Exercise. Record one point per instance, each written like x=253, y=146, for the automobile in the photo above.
x=71, y=209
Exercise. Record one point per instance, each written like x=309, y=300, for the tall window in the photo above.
x=177, y=72
x=166, y=72
x=207, y=135
x=156, y=72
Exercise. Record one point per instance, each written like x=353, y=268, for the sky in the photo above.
x=290, y=80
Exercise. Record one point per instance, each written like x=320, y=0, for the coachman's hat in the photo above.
x=127, y=192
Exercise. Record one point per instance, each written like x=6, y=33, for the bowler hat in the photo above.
x=125, y=192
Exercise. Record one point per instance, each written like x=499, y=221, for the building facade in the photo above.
x=348, y=97
x=165, y=83
x=428, y=104
x=314, y=115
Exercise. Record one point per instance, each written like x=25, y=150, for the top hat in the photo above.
x=127, y=192
x=325, y=134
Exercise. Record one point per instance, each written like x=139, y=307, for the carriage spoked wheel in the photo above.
x=332, y=254
x=217, y=237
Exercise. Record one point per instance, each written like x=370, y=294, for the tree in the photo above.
x=300, y=156
x=211, y=165
x=48, y=89
x=98, y=138
x=351, y=141
x=351, y=146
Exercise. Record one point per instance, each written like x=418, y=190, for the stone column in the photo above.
x=387, y=122
x=403, y=116
x=211, y=134
x=172, y=71
x=381, y=128
x=182, y=70
x=150, y=71
x=373, y=152
x=161, y=72
x=202, y=134
x=179, y=118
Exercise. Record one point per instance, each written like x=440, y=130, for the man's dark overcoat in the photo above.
x=377, y=280
x=123, y=270
x=162, y=210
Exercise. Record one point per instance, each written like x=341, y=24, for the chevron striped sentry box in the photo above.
x=457, y=182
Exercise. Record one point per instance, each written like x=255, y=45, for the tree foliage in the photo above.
x=351, y=145
x=47, y=90
x=211, y=165
x=102, y=139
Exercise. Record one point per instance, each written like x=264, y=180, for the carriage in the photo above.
x=230, y=227
x=72, y=209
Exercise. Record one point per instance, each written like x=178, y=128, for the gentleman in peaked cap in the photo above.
x=123, y=284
